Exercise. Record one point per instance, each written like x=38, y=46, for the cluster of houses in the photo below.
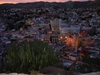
x=53, y=27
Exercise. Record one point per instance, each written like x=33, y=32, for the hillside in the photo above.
x=45, y=4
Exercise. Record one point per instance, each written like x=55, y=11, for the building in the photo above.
x=54, y=38
x=55, y=26
x=64, y=30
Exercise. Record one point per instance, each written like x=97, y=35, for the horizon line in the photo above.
x=38, y=1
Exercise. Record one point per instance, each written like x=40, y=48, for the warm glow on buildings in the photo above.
x=76, y=41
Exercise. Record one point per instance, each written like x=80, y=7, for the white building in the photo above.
x=58, y=25
x=64, y=30
x=55, y=24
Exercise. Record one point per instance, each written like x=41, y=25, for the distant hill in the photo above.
x=95, y=3
x=45, y=4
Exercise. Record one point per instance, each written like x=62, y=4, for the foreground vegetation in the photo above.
x=27, y=56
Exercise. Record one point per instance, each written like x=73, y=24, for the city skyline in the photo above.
x=24, y=1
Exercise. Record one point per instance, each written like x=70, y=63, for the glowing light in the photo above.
x=61, y=37
x=42, y=39
x=65, y=37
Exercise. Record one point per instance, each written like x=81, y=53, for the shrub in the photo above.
x=29, y=56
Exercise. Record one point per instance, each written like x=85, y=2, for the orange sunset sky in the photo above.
x=24, y=1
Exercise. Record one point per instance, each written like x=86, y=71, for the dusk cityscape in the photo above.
x=56, y=37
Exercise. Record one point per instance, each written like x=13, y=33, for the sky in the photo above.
x=24, y=1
